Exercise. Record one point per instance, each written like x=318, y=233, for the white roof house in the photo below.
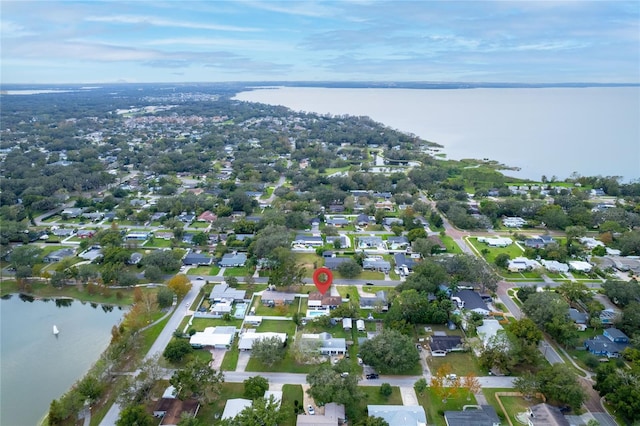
x=347, y=324
x=234, y=406
x=360, y=325
x=399, y=415
x=488, y=329
x=580, y=266
x=522, y=264
x=555, y=266
x=496, y=241
x=247, y=339
x=590, y=242
x=218, y=337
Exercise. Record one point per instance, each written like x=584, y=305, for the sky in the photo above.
x=47, y=42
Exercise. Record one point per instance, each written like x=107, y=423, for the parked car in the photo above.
x=311, y=411
x=372, y=376
x=369, y=283
x=419, y=347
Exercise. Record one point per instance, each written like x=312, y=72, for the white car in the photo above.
x=311, y=411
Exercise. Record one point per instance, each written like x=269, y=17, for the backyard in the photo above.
x=435, y=407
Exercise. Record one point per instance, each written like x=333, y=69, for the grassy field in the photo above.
x=276, y=326
x=230, y=361
x=433, y=405
x=512, y=250
x=512, y=404
x=462, y=363
x=199, y=324
x=451, y=245
x=237, y=272
x=287, y=365
x=277, y=311
x=372, y=396
x=290, y=394
x=211, y=413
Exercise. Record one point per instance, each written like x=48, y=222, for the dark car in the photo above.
x=369, y=283
x=372, y=376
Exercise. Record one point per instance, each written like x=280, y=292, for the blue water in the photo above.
x=36, y=366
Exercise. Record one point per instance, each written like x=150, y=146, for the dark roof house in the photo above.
x=483, y=415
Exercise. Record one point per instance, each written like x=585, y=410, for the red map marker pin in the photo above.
x=322, y=286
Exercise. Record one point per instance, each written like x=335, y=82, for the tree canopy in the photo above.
x=390, y=352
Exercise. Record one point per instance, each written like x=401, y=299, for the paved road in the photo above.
x=161, y=342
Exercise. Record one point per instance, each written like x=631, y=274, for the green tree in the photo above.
x=153, y=273
x=372, y=421
x=416, y=233
x=502, y=260
x=349, y=269
x=263, y=412
x=527, y=384
x=420, y=386
x=390, y=352
x=177, y=349
x=255, y=387
x=180, y=285
x=166, y=260
x=574, y=291
x=164, y=297
x=551, y=313
x=620, y=292
x=135, y=415
x=386, y=390
x=198, y=380
x=269, y=239
x=268, y=350
x=560, y=384
x=27, y=255
x=286, y=271
x=327, y=385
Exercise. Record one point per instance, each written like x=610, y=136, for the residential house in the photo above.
x=307, y=240
x=93, y=253
x=488, y=330
x=63, y=232
x=360, y=325
x=402, y=260
x=539, y=242
x=187, y=218
x=362, y=220
x=610, y=344
x=323, y=301
x=157, y=216
x=231, y=260
x=347, y=324
x=337, y=221
x=399, y=415
x=578, y=317
x=137, y=236
x=58, y=255
x=496, y=241
x=171, y=409
x=608, y=317
x=555, y=266
x=390, y=221
x=135, y=258
x=334, y=415
x=217, y=337
x=247, y=339
x=333, y=262
x=520, y=264
x=86, y=233
x=470, y=301
x=514, y=222
x=222, y=292
x=165, y=235
x=479, y=415
x=376, y=264
x=327, y=345
x=197, y=259
x=371, y=243
x=336, y=208
x=72, y=212
x=277, y=298
x=397, y=243
x=580, y=266
x=440, y=345
x=219, y=309
x=345, y=242
x=545, y=415
x=380, y=299
x=234, y=406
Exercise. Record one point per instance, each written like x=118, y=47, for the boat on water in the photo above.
x=55, y=330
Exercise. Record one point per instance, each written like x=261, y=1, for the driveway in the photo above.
x=243, y=360
x=218, y=356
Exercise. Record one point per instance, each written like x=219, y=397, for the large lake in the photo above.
x=545, y=131
x=37, y=367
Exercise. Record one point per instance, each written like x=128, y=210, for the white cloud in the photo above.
x=10, y=29
x=162, y=22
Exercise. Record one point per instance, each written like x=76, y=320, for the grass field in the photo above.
x=512, y=404
x=512, y=250
x=291, y=394
x=451, y=245
x=433, y=405
x=199, y=324
x=237, y=272
x=372, y=396
x=230, y=361
x=277, y=311
x=210, y=413
x=462, y=363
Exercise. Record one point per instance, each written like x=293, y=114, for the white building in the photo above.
x=247, y=339
x=217, y=337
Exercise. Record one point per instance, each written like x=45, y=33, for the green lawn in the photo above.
x=451, y=245
x=462, y=363
x=210, y=413
x=158, y=243
x=512, y=404
x=512, y=250
x=433, y=405
x=199, y=324
x=276, y=326
x=372, y=397
x=287, y=365
x=238, y=272
x=230, y=361
x=336, y=330
x=277, y=311
x=291, y=394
